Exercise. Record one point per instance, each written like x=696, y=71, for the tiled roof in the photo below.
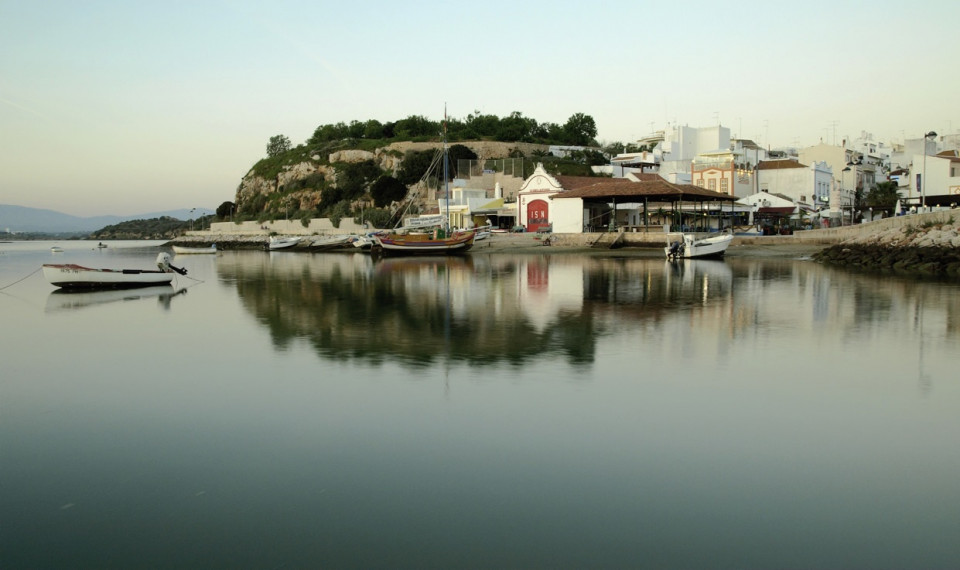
x=779, y=164
x=622, y=188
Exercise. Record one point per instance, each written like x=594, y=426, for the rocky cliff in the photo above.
x=256, y=191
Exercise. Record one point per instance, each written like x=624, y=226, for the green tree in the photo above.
x=386, y=190
x=354, y=178
x=456, y=153
x=226, y=210
x=415, y=165
x=416, y=126
x=884, y=196
x=278, y=144
x=580, y=129
x=516, y=127
x=373, y=129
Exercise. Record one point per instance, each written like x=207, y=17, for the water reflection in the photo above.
x=515, y=309
x=69, y=300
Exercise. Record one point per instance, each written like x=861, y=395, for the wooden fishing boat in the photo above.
x=72, y=276
x=423, y=244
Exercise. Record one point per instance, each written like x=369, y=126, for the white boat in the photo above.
x=322, y=243
x=282, y=242
x=56, y=249
x=364, y=242
x=71, y=276
x=483, y=232
x=72, y=299
x=689, y=246
x=183, y=250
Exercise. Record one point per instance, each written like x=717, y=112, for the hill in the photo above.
x=21, y=219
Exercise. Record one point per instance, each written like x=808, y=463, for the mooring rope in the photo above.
x=19, y=280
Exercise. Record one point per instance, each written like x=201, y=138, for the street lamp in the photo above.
x=192, y=210
x=923, y=194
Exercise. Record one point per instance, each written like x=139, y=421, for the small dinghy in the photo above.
x=71, y=276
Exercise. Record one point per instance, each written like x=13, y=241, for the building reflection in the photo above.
x=498, y=309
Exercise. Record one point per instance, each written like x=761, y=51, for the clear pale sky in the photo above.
x=126, y=107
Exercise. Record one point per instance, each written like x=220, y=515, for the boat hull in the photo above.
x=282, y=243
x=693, y=248
x=421, y=244
x=181, y=250
x=70, y=276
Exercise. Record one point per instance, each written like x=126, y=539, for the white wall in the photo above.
x=319, y=226
x=566, y=214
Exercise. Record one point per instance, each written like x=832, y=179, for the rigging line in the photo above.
x=19, y=280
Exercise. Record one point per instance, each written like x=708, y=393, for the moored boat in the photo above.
x=72, y=276
x=423, y=244
x=282, y=242
x=323, y=243
x=183, y=250
x=689, y=246
x=483, y=232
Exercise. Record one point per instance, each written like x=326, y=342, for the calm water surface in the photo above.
x=301, y=411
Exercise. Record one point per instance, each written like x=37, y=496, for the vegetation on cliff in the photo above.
x=163, y=227
x=301, y=182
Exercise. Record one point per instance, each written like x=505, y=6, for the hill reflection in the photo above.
x=479, y=310
x=484, y=310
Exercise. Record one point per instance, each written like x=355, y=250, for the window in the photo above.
x=712, y=184
x=724, y=185
x=700, y=182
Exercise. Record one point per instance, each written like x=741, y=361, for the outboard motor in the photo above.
x=163, y=262
x=676, y=249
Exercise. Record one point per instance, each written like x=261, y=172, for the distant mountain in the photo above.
x=22, y=219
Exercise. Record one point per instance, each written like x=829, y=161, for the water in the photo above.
x=301, y=411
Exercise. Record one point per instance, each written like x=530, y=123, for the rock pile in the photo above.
x=924, y=249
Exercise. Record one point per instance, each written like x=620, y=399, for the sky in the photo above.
x=126, y=107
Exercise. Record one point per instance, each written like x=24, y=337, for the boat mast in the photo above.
x=446, y=177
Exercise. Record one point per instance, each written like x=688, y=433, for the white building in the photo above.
x=809, y=185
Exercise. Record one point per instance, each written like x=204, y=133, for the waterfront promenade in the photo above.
x=253, y=235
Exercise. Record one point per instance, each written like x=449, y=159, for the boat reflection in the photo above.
x=72, y=299
x=483, y=310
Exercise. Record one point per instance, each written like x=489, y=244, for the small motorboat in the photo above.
x=364, y=242
x=282, y=242
x=72, y=276
x=690, y=246
x=483, y=232
x=56, y=249
x=322, y=243
x=183, y=250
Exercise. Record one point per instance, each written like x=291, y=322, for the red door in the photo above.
x=537, y=215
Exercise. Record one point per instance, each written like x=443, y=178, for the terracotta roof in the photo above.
x=646, y=176
x=658, y=189
x=780, y=210
x=575, y=182
x=779, y=164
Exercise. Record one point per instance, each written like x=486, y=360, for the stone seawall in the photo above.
x=916, y=245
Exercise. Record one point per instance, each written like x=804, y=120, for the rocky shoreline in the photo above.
x=927, y=249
